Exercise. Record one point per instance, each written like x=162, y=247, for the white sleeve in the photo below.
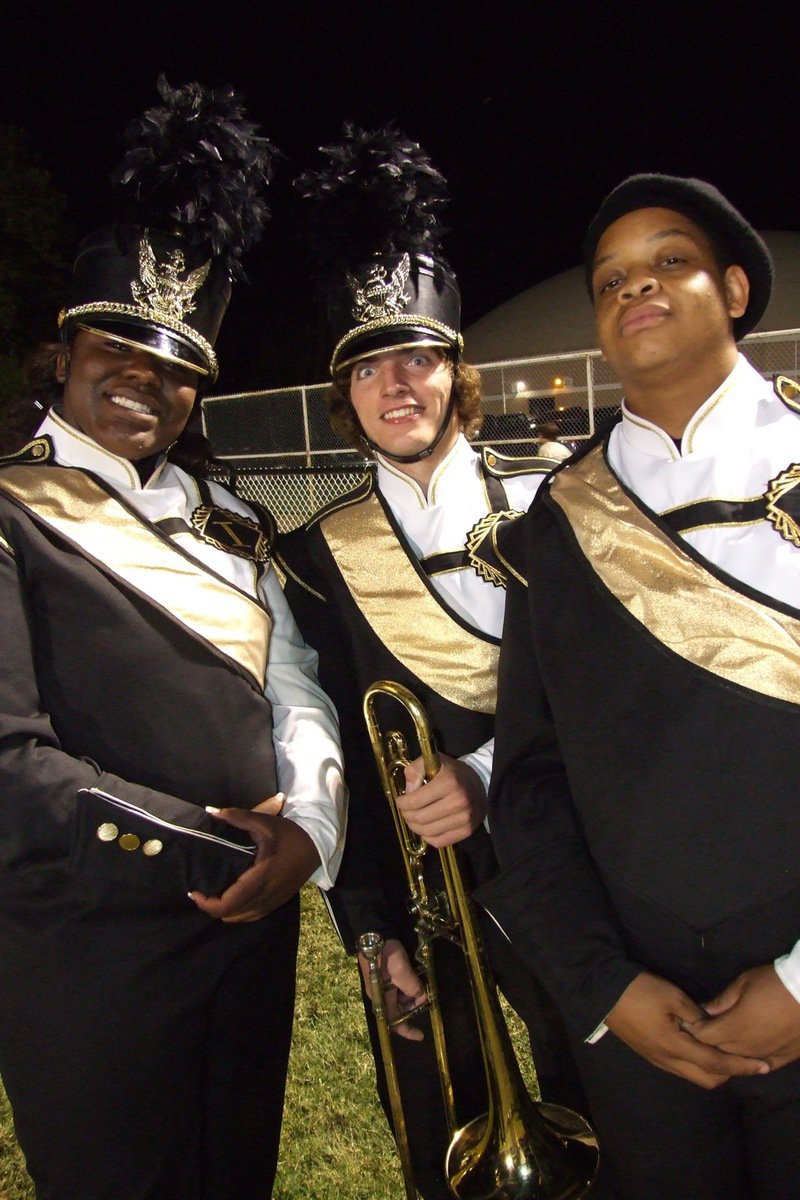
x=481, y=761
x=306, y=737
x=788, y=970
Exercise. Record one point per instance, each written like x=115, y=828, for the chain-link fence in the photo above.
x=284, y=454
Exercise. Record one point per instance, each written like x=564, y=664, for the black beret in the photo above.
x=702, y=203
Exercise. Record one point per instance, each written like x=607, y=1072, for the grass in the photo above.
x=335, y=1143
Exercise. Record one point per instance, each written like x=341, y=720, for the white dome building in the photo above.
x=556, y=316
x=539, y=379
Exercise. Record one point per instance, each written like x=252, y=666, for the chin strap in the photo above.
x=421, y=454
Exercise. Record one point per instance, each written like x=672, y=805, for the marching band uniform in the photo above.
x=400, y=581
x=150, y=668
x=382, y=579
x=383, y=583
x=123, y=680
x=642, y=802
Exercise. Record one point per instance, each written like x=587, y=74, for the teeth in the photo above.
x=133, y=405
x=408, y=411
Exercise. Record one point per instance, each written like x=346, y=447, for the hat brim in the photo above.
x=162, y=347
x=366, y=343
x=399, y=340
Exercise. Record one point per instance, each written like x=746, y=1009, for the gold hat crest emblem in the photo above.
x=160, y=291
x=381, y=296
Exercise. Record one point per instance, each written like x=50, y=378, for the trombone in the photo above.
x=518, y=1149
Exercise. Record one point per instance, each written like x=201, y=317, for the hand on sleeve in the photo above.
x=285, y=859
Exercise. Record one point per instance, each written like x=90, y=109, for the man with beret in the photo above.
x=643, y=803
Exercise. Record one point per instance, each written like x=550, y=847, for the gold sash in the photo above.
x=412, y=624
x=678, y=601
x=78, y=509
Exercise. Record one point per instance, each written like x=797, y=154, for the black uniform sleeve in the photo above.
x=43, y=815
x=548, y=897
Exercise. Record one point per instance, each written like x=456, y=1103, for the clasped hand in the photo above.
x=756, y=1016
x=750, y=1028
x=446, y=809
x=285, y=858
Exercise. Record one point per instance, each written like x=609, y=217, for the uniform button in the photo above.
x=129, y=841
x=152, y=846
x=107, y=832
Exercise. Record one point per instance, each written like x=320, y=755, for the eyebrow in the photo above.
x=653, y=237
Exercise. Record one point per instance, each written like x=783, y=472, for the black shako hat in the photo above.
x=702, y=203
x=374, y=225
x=190, y=203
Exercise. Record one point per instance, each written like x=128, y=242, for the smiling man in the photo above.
x=396, y=580
x=643, y=802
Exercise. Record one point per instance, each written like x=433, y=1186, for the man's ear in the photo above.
x=62, y=365
x=737, y=291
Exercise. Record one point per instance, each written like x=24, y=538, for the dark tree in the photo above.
x=32, y=268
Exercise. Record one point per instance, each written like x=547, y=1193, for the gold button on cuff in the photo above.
x=107, y=832
x=152, y=846
x=129, y=841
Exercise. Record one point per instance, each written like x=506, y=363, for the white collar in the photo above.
x=458, y=468
x=728, y=412
x=75, y=449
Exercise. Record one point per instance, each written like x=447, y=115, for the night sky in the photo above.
x=532, y=111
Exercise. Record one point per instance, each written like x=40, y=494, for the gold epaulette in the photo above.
x=788, y=391
x=39, y=451
x=355, y=495
x=505, y=466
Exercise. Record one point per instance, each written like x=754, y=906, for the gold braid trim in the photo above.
x=114, y=309
x=398, y=321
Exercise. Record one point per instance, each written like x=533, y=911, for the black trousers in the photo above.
x=666, y=1139
x=145, y=1057
x=417, y=1069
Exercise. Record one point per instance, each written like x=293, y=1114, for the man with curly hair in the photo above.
x=396, y=580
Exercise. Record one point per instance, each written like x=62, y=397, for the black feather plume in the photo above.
x=378, y=194
x=196, y=163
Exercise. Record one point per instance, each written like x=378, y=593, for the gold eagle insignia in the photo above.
x=381, y=296
x=160, y=290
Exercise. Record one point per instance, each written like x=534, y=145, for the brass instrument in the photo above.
x=518, y=1149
